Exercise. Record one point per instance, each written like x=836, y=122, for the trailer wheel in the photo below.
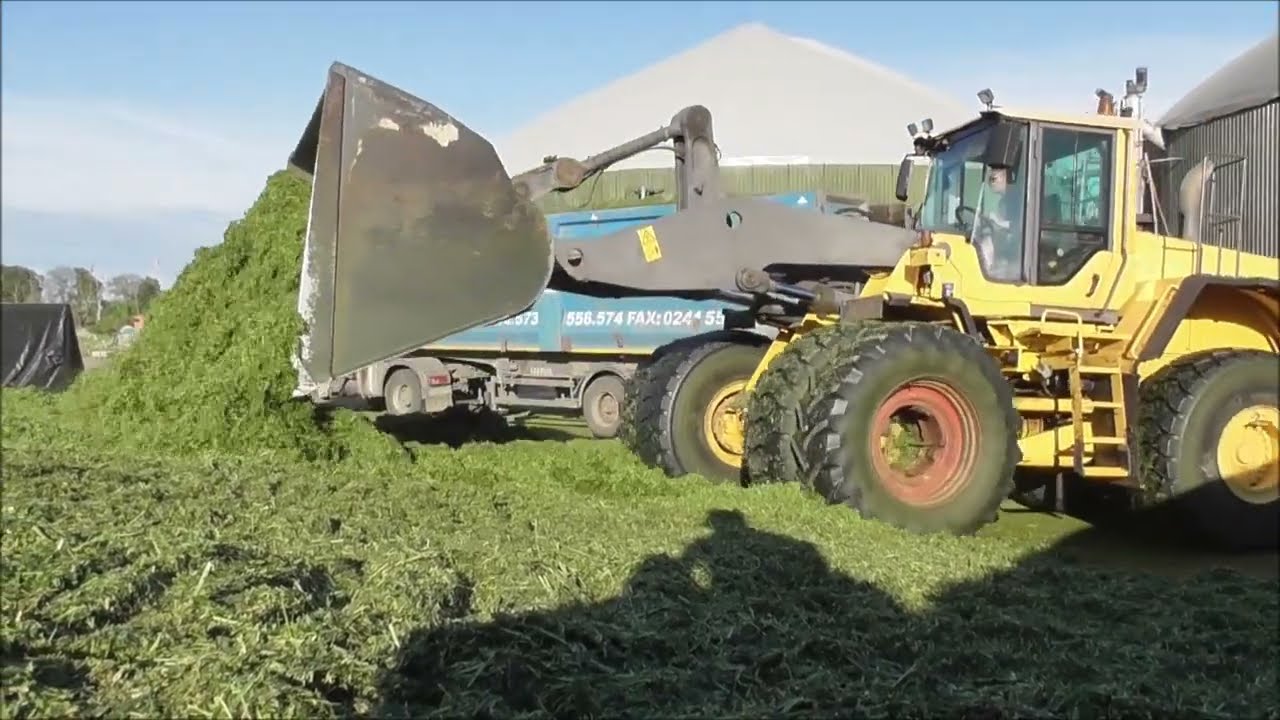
x=921, y=432
x=687, y=410
x=602, y=405
x=776, y=416
x=1209, y=438
x=402, y=392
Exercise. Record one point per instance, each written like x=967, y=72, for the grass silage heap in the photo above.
x=212, y=370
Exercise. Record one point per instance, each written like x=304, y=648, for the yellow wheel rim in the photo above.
x=722, y=424
x=1249, y=454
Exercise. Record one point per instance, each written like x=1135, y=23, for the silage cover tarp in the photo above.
x=40, y=348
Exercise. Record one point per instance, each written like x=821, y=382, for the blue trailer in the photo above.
x=567, y=354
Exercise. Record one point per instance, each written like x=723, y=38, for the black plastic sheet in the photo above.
x=40, y=348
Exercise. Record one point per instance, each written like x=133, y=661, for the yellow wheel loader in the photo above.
x=1034, y=320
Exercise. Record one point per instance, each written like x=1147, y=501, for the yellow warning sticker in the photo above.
x=649, y=244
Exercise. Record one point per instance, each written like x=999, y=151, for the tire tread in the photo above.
x=777, y=413
x=1166, y=401
x=647, y=429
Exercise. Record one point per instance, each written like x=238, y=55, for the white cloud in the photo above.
x=1063, y=75
x=107, y=158
x=124, y=188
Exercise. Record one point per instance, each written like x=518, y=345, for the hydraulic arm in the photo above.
x=697, y=175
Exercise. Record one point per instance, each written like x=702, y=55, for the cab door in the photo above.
x=1073, y=225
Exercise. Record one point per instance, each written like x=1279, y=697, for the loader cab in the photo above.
x=1033, y=197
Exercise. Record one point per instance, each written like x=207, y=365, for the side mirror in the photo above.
x=903, y=185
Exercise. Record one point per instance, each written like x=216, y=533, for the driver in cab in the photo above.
x=997, y=234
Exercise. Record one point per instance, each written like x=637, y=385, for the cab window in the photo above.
x=1075, y=202
x=983, y=203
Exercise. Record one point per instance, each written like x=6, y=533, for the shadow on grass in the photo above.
x=747, y=623
x=460, y=426
x=60, y=671
x=1158, y=539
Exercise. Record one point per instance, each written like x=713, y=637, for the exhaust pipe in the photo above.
x=415, y=230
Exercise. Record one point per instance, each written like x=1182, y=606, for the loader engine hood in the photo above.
x=415, y=230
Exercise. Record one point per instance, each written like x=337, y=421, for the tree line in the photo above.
x=97, y=305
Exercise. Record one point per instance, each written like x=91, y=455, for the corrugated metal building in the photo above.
x=790, y=114
x=1232, y=114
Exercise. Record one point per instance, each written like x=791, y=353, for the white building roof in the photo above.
x=774, y=99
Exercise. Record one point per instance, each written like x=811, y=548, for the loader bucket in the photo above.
x=415, y=230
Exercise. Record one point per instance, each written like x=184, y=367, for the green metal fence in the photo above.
x=625, y=188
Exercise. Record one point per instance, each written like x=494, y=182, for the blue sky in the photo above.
x=134, y=131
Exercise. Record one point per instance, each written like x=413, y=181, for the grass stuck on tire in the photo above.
x=777, y=415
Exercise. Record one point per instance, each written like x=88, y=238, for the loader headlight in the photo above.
x=1140, y=80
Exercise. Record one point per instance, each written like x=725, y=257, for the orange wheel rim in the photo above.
x=938, y=457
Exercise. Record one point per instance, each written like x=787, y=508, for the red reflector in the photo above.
x=438, y=380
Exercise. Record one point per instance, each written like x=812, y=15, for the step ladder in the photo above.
x=1113, y=408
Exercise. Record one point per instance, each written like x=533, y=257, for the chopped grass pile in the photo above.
x=561, y=580
x=212, y=372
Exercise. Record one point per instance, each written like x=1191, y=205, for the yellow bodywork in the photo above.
x=1098, y=326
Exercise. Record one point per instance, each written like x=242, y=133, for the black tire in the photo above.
x=669, y=399
x=1184, y=409
x=653, y=369
x=905, y=364
x=402, y=393
x=602, y=405
x=779, y=405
